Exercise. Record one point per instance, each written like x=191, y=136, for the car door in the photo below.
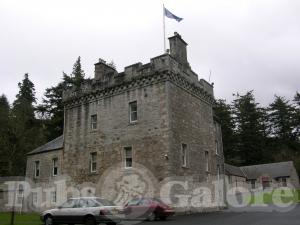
x=64, y=213
x=145, y=208
x=140, y=209
x=77, y=213
x=132, y=209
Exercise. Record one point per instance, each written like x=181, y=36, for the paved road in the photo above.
x=234, y=218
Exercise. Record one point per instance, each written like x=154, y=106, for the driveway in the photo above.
x=234, y=218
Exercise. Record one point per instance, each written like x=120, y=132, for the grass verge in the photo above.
x=20, y=219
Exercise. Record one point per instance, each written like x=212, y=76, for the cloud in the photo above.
x=248, y=44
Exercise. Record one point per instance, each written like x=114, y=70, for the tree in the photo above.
x=4, y=113
x=280, y=116
x=26, y=131
x=223, y=112
x=297, y=116
x=249, y=121
x=77, y=73
x=52, y=108
x=4, y=135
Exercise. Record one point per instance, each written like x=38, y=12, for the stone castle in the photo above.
x=158, y=115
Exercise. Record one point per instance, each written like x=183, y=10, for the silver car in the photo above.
x=84, y=210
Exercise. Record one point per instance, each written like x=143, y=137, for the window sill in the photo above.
x=128, y=168
x=93, y=131
x=133, y=123
x=93, y=173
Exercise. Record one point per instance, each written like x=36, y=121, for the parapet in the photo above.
x=174, y=62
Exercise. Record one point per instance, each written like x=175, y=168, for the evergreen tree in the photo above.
x=250, y=131
x=52, y=108
x=26, y=129
x=4, y=113
x=281, y=115
x=4, y=136
x=223, y=112
x=77, y=73
x=297, y=116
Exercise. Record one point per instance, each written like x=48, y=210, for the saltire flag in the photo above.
x=171, y=15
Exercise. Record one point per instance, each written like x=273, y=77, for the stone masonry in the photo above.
x=174, y=111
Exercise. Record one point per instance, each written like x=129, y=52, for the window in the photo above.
x=284, y=183
x=128, y=157
x=217, y=147
x=36, y=168
x=82, y=203
x=206, y=161
x=265, y=182
x=93, y=162
x=215, y=128
x=53, y=196
x=71, y=203
x=252, y=184
x=55, y=166
x=218, y=171
x=20, y=194
x=184, y=155
x=207, y=177
x=93, y=122
x=132, y=112
x=1, y=194
x=34, y=198
x=92, y=203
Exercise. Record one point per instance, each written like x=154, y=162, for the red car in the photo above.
x=147, y=208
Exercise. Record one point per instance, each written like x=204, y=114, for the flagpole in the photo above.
x=164, y=28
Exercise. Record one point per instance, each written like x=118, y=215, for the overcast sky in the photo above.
x=248, y=44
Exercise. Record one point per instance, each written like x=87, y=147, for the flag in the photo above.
x=171, y=15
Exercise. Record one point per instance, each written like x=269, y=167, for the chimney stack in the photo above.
x=103, y=71
x=178, y=49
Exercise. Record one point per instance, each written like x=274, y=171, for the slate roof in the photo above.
x=274, y=170
x=55, y=144
x=234, y=170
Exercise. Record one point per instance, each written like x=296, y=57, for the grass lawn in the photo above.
x=274, y=197
x=20, y=219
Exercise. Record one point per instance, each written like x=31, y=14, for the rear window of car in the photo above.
x=104, y=202
x=92, y=203
x=134, y=201
x=158, y=201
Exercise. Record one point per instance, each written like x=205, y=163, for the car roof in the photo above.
x=85, y=198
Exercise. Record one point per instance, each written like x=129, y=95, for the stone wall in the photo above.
x=173, y=108
x=46, y=165
x=192, y=124
x=148, y=137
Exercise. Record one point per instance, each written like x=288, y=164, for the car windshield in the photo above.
x=68, y=204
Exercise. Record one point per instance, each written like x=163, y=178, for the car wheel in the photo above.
x=48, y=220
x=151, y=216
x=90, y=221
x=163, y=218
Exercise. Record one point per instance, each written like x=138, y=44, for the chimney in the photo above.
x=178, y=49
x=103, y=71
